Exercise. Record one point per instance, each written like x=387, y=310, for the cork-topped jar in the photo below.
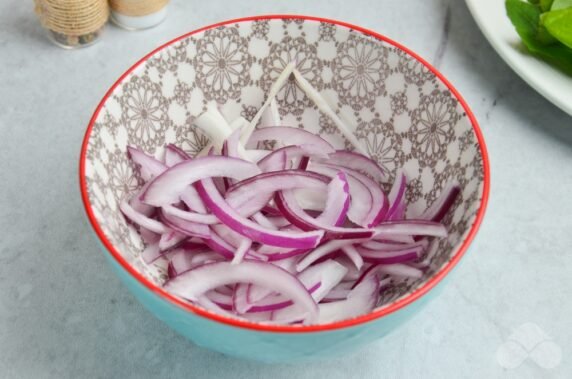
x=138, y=14
x=73, y=23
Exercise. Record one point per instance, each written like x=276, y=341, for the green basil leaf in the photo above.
x=545, y=5
x=560, y=4
x=559, y=24
x=525, y=17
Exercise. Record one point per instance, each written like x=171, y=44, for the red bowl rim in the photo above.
x=411, y=297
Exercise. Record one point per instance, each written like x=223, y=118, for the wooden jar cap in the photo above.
x=136, y=8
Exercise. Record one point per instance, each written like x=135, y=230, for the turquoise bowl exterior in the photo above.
x=267, y=346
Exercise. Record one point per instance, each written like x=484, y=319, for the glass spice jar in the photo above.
x=138, y=14
x=72, y=24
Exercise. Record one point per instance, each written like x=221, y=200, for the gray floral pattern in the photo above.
x=123, y=179
x=433, y=126
x=144, y=111
x=291, y=98
x=360, y=69
x=327, y=31
x=260, y=28
x=182, y=93
x=222, y=64
x=192, y=140
x=402, y=114
x=399, y=102
x=169, y=58
x=382, y=144
x=414, y=72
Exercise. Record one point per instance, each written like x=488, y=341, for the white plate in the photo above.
x=554, y=85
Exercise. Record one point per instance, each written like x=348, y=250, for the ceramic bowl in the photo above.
x=404, y=111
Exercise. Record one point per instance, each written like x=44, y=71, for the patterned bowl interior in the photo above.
x=402, y=113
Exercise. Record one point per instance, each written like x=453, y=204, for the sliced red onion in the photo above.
x=437, y=211
x=149, y=167
x=194, y=283
x=267, y=118
x=167, y=187
x=269, y=182
x=257, y=293
x=361, y=198
x=278, y=221
x=219, y=245
x=140, y=219
x=400, y=212
x=199, y=218
x=276, y=86
x=337, y=201
x=214, y=125
x=239, y=298
x=399, y=270
x=208, y=304
x=362, y=299
x=278, y=159
x=278, y=302
x=174, y=155
x=325, y=108
x=337, y=294
x=312, y=200
x=185, y=227
x=353, y=273
x=223, y=300
x=225, y=290
x=275, y=161
x=239, y=222
x=255, y=232
x=393, y=238
x=255, y=155
x=233, y=144
x=357, y=162
x=390, y=257
x=229, y=235
x=237, y=303
x=170, y=240
x=241, y=251
x=380, y=203
x=353, y=255
x=151, y=253
x=183, y=261
x=304, y=162
x=412, y=228
x=264, y=221
x=271, y=303
x=227, y=249
x=238, y=123
x=270, y=116
x=397, y=197
x=290, y=136
x=191, y=198
x=329, y=274
x=321, y=251
x=148, y=236
x=140, y=207
x=286, y=202
x=269, y=210
x=389, y=246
